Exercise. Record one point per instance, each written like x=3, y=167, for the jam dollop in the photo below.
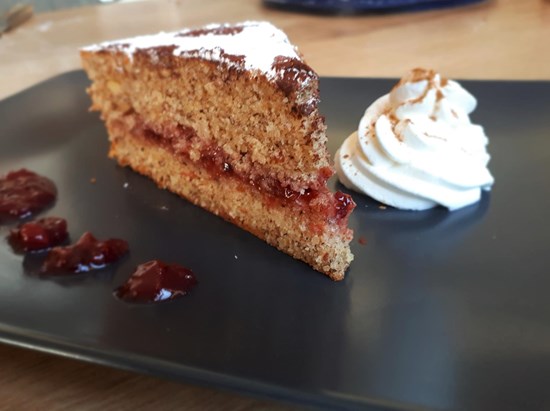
x=23, y=193
x=38, y=235
x=85, y=255
x=156, y=281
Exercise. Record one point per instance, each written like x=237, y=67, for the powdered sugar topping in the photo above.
x=255, y=44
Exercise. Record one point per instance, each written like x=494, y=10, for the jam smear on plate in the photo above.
x=85, y=255
x=23, y=193
x=38, y=235
x=156, y=281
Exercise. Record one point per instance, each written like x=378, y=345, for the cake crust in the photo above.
x=231, y=200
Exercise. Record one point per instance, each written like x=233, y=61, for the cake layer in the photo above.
x=331, y=208
x=326, y=250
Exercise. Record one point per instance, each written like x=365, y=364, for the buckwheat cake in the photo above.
x=227, y=117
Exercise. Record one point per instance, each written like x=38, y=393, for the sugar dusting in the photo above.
x=256, y=44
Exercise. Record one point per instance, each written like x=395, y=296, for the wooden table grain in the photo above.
x=498, y=39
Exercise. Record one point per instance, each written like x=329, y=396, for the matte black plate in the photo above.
x=439, y=310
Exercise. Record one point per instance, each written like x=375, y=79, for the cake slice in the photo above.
x=227, y=117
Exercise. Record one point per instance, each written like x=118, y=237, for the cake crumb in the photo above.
x=164, y=208
x=93, y=180
x=125, y=185
x=236, y=257
x=362, y=240
x=382, y=207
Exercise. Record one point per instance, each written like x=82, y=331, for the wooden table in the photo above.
x=499, y=39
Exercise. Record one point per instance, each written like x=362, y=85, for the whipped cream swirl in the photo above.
x=416, y=147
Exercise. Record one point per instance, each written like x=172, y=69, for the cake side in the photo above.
x=283, y=227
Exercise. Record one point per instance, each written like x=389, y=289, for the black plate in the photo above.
x=439, y=310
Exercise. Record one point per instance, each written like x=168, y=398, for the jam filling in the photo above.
x=156, y=281
x=38, y=235
x=335, y=206
x=23, y=193
x=85, y=255
x=344, y=204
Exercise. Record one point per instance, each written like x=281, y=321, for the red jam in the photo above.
x=217, y=163
x=344, y=204
x=23, y=193
x=86, y=255
x=38, y=235
x=156, y=281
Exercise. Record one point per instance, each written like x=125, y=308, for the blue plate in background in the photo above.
x=358, y=6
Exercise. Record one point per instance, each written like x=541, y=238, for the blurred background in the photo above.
x=330, y=6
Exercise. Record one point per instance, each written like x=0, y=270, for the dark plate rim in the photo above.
x=16, y=337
